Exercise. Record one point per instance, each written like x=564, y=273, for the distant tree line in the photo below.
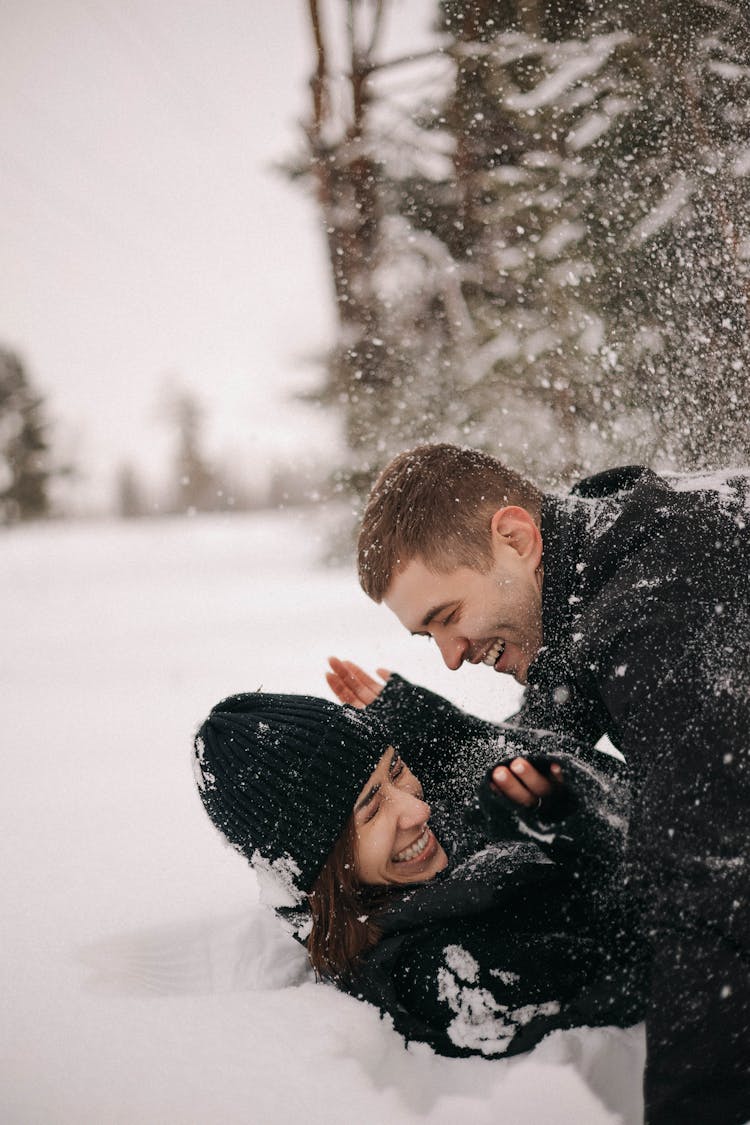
x=539, y=232
x=25, y=460
x=195, y=482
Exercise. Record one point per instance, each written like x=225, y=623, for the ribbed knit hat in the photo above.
x=279, y=775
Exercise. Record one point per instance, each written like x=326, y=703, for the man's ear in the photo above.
x=515, y=527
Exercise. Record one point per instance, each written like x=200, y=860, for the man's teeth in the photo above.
x=414, y=849
x=494, y=654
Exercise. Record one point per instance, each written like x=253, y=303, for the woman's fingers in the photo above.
x=522, y=783
x=512, y=788
x=535, y=781
x=364, y=679
x=351, y=684
x=356, y=679
x=341, y=691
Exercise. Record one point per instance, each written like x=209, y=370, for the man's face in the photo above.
x=493, y=617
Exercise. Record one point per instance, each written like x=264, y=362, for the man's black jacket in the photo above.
x=646, y=624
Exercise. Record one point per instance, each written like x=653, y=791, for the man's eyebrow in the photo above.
x=433, y=612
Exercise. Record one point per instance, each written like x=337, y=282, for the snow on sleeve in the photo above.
x=505, y=976
x=461, y=963
x=480, y=1023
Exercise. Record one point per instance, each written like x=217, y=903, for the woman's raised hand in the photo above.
x=350, y=684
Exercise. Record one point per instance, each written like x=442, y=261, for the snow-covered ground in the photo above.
x=142, y=981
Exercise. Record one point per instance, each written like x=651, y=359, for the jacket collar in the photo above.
x=482, y=882
x=571, y=526
x=565, y=530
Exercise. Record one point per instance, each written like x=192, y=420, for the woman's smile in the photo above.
x=417, y=849
x=394, y=843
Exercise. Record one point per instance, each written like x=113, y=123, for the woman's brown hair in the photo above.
x=343, y=911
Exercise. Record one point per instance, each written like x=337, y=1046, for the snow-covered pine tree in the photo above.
x=539, y=233
x=24, y=452
x=670, y=229
x=402, y=316
x=601, y=189
x=525, y=77
x=196, y=485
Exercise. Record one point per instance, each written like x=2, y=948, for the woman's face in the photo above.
x=393, y=842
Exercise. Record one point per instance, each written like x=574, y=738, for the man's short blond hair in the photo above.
x=436, y=503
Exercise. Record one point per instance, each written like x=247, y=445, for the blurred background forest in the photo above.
x=537, y=229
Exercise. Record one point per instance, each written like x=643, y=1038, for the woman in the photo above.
x=478, y=924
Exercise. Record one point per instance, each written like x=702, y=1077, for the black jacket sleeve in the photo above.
x=587, y=816
x=453, y=753
x=477, y=998
x=448, y=749
x=496, y=984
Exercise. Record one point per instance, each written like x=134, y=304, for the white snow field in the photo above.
x=143, y=982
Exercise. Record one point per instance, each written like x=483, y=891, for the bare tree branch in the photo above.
x=387, y=64
x=319, y=80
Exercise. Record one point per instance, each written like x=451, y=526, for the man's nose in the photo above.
x=453, y=651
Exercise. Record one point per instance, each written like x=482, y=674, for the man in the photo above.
x=625, y=610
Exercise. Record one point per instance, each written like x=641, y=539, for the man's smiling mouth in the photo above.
x=493, y=654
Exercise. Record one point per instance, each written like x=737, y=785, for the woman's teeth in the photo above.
x=493, y=655
x=414, y=849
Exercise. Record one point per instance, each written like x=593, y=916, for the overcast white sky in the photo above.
x=144, y=231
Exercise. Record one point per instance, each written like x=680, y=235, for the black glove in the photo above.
x=586, y=813
x=500, y=816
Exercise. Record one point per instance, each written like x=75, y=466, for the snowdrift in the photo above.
x=143, y=981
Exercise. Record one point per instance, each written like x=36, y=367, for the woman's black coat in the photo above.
x=527, y=931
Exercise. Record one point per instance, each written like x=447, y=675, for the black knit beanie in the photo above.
x=279, y=775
